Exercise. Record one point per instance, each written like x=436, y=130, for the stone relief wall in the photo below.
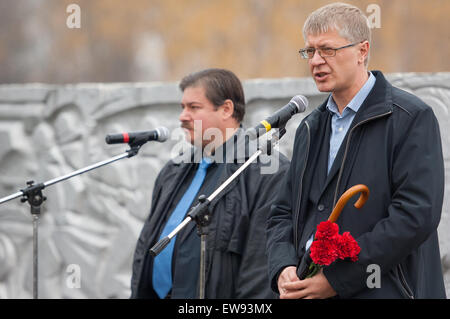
x=90, y=223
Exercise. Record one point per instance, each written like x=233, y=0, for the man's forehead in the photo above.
x=193, y=94
x=325, y=38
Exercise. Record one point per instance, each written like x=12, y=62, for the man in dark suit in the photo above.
x=213, y=106
x=366, y=132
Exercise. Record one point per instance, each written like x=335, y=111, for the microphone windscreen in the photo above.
x=301, y=102
x=163, y=133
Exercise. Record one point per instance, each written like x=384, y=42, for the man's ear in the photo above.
x=364, y=51
x=227, y=109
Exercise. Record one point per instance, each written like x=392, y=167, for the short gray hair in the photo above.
x=348, y=20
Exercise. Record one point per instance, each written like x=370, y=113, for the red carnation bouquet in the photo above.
x=328, y=246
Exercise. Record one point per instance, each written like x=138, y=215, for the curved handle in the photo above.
x=360, y=188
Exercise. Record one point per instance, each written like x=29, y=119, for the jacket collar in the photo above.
x=378, y=102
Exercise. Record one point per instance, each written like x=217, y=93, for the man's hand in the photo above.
x=291, y=287
x=287, y=275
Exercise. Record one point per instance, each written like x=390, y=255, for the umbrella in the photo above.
x=302, y=270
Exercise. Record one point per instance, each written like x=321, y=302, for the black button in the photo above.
x=320, y=208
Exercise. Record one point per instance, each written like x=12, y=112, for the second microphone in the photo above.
x=159, y=134
x=297, y=104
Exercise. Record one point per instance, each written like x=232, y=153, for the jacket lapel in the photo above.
x=377, y=103
x=315, y=121
x=171, y=184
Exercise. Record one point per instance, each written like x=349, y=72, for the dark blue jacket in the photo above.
x=394, y=147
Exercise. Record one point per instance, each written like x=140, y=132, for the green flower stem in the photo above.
x=313, y=270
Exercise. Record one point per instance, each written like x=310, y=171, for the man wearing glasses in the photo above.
x=366, y=132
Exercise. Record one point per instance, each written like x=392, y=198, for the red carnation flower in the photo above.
x=328, y=245
x=323, y=252
x=348, y=247
x=327, y=230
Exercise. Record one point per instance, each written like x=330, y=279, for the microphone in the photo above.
x=159, y=134
x=298, y=104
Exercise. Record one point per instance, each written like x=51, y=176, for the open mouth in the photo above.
x=320, y=76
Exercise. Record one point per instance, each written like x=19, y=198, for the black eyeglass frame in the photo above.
x=304, y=52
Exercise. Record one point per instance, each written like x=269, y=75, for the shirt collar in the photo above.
x=357, y=100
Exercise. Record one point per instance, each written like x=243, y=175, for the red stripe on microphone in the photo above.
x=126, y=138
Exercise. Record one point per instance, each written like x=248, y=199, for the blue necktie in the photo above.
x=162, y=265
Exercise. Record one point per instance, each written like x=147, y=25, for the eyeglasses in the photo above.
x=308, y=53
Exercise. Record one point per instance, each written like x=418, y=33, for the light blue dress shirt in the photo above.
x=340, y=123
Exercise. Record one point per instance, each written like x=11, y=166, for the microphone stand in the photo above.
x=202, y=215
x=33, y=195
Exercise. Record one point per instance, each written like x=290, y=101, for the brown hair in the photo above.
x=219, y=85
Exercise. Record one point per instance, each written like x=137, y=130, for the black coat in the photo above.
x=237, y=262
x=394, y=147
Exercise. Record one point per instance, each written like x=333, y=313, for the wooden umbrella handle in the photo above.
x=360, y=188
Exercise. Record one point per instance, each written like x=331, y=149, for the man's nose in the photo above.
x=316, y=59
x=184, y=115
